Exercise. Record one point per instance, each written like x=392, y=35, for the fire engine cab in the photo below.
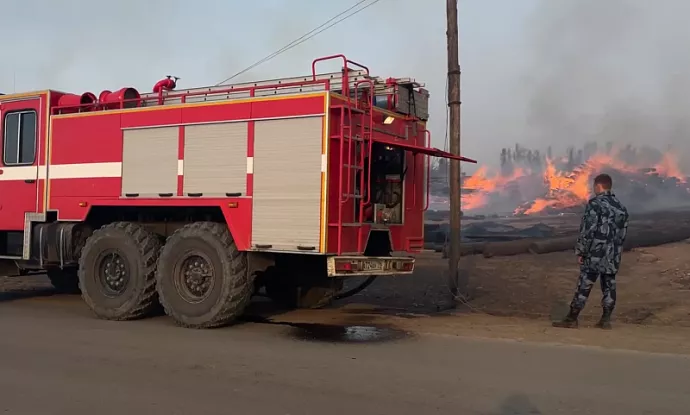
x=197, y=199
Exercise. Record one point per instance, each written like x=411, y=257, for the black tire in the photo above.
x=127, y=247
x=65, y=281
x=203, y=301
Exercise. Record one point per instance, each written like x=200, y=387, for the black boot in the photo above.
x=569, y=322
x=605, y=320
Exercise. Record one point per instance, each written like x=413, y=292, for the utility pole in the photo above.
x=454, y=141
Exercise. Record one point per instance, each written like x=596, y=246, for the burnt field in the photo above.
x=512, y=235
x=653, y=284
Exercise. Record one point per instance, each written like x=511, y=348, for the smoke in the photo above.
x=271, y=33
x=608, y=71
x=79, y=45
x=615, y=73
x=539, y=72
x=84, y=45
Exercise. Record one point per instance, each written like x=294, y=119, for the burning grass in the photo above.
x=642, y=179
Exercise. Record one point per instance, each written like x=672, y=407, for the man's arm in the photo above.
x=624, y=231
x=587, y=228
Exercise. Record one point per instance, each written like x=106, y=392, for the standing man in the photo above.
x=598, y=249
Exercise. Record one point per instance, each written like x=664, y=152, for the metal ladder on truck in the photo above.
x=354, y=137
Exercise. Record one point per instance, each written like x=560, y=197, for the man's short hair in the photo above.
x=604, y=180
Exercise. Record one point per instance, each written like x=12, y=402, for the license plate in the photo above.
x=372, y=265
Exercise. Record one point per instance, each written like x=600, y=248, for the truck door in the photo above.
x=18, y=161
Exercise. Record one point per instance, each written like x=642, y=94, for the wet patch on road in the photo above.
x=346, y=334
x=349, y=332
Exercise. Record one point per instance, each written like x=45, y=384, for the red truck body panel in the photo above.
x=403, y=236
x=78, y=161
x=93, y=140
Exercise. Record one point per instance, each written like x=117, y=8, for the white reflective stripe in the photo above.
x=85, y=170
x=19, y=173
x=324, y=163
x=79, y=171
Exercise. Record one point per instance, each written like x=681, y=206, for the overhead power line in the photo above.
x=338, y=18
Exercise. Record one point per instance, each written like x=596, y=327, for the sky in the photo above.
x=539, y=72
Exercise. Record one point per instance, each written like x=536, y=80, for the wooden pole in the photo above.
x=454, y=146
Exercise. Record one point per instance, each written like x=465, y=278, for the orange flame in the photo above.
x=566, y=190
x=482, y=186
x=668, y=167
x=571, y=189
x=563, y=189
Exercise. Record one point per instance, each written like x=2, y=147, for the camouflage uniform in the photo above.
x=600, y=244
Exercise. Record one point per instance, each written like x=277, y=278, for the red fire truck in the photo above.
x=196, y=199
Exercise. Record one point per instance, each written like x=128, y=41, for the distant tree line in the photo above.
x=520, y=156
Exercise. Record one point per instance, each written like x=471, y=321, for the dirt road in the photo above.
x=57, y=359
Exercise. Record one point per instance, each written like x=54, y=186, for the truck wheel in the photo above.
x=117, y=271
x=65, y=281
x=202, y=276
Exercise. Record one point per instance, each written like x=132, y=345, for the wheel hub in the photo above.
x=113, y=274
x=195, y=278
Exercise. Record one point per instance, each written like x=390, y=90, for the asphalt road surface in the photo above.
x=56, y=359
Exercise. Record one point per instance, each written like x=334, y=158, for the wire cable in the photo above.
x=307, y=36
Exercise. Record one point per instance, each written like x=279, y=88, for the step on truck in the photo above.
x=198, y=199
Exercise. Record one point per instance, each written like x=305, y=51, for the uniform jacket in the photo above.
x=602, y=233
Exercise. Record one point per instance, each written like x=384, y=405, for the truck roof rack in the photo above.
x=275, y=87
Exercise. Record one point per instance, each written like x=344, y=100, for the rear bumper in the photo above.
x=353, y=266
